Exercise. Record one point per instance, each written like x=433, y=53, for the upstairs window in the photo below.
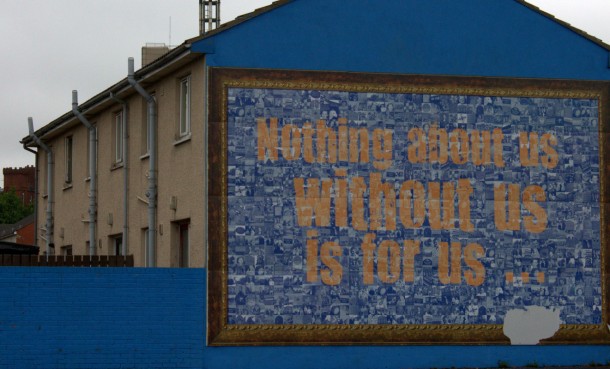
x=118, y=137
x=145, y=135
x=68, y=157
x=185, y=106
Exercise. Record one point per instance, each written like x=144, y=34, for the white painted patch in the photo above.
x=528, y=326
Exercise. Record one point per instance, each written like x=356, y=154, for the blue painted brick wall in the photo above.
x=101, y=318
x=154, y=318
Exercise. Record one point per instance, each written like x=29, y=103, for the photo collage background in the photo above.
x=266, y=247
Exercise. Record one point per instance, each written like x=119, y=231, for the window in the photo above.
x=180, y=242
x=68, y=157
x=66, y=250
x=185, y=106
x=146, y=144
x=118, y=137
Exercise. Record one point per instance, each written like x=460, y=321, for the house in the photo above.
x=465, y=61
x=118, y=117
x=21, y=232
x=132, y=202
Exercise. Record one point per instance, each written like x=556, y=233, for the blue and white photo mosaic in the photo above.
x=487, y=204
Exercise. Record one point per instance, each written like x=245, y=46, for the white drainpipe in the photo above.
x=151, y=192
x=49, y=225
x=92, y=173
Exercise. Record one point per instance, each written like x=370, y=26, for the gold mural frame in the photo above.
x=220, y=333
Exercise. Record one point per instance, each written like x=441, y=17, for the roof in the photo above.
x=10, y=229
x=179, y=52
x=566, y=24
x=241, y=19
x=276, y=4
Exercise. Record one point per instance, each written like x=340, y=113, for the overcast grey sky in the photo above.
x=54, y=47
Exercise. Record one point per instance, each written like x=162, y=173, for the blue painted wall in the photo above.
x=500, y=38
x=154, y=318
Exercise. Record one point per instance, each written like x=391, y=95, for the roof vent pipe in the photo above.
x=151, y=192
x=92, y=172
x=49, y=213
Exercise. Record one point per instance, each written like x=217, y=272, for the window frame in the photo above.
x=68, y=159
x=146, y=145
x=184, y=107
x=119, y=126
x=66, y=250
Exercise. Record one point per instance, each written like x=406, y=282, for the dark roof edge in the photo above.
x=241, y=19
x=157, y=64
x=580, y=32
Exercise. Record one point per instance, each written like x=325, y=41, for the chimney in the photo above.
x=209, y=15
x=152, y=52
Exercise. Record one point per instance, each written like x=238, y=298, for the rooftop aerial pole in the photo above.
x=209, y=15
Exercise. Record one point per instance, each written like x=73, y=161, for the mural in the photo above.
x=396, y=208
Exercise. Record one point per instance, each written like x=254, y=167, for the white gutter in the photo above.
x=92, y=173
x=151, y=192
x=125, y=244
x=49, y=226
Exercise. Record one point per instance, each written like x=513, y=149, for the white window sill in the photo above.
x=116, y=166
x=67, y=186
x=145, y=156
x=183, y=139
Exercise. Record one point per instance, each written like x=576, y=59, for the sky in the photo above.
x=54, y=47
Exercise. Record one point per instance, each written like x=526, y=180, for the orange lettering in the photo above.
x=455, y=276
x=412, y=190
x=459, y=146
x=389, y=253
x=550, y=160
x=411, y=248
x=314, y=204
x=267, y=139
x=528, y=149
x=417, y=150
x=536, y=223
x=378, y=191
x=476, y=276
x=446, y=220
x=504, y=223
x=291, y=142
x=331, y=276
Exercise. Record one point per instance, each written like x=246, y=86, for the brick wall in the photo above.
x=96, y=318
x=23, y=180
x=26, y=235
x=154, y=318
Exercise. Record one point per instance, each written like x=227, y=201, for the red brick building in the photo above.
x=23, y=180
